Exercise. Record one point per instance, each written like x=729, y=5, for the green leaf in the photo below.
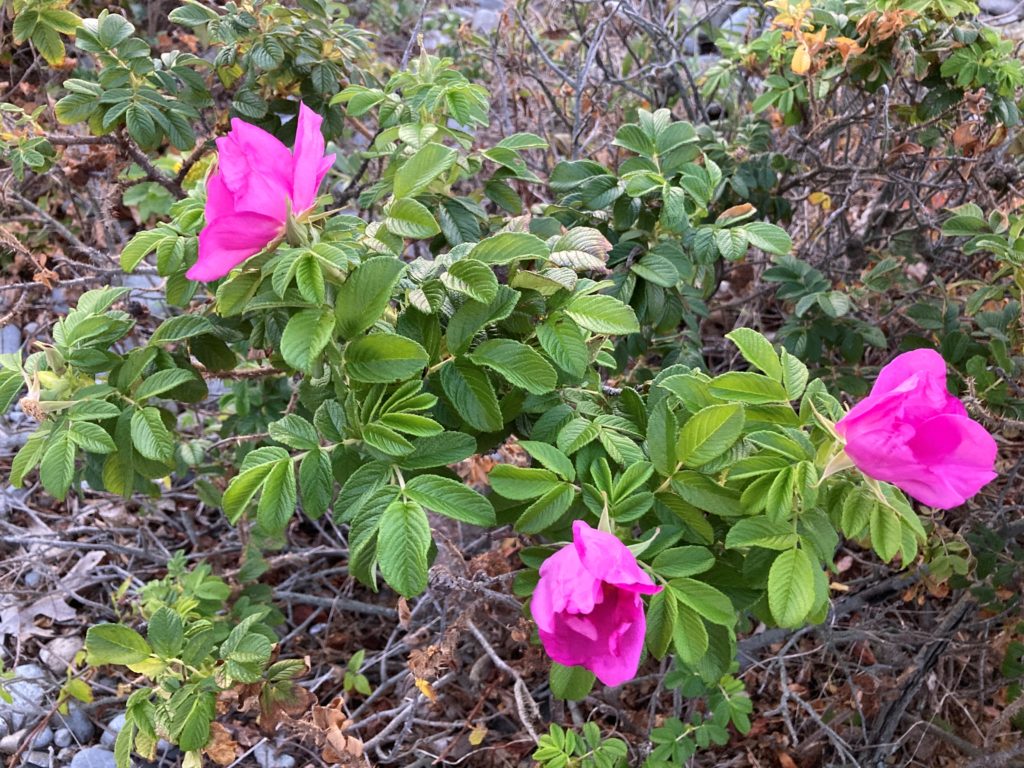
x=683, y=561
x=381, y=358
x=91, y=437
x=316, y=483
x=450, y=498
x=690, y=636
x=305, y=336
x=472, y=278
x=760, y=531
x=565, y=344
x=366, y=293
x=472, y=395
x=192, y=712
x=27, y=458
x=416, y=173
x=709, y=433
x=570, y=683
x=166, y=633
x=547, y=510
x=662, y=616
x=791, y=588
x=886, y=533
x=550, y=457
x=794, y=375
x=508, y=247
x=603, y=314
x=241, y=490
x=713, y=605
x=757, y=350
x=403, y=541
x=163, y=381
x=279, y=498
x=746, y=387
x=295, y=432
x=662, y=435
x=58, y=466
x=410, y=219
x=521, y=483
x=179, y=328
x=150, y=436
x=517, y=363
x=768, y=237
x=115, y=644
x=439, y=450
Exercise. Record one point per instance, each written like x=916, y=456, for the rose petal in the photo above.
x=228, y=241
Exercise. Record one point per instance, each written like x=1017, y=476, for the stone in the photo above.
x=9, y=744
x=93, y=757
x=62, y=738
x=486, y=21
x=268, y=757
x=38, y=758
x=10, y=339
x=43, y=739
x=1012, y=9
x=78, y=723
x=60, y=652
x=27, y=690
x=113, y=728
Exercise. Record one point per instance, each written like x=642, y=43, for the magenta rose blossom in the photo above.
x=588, y=608
x=912, y=433
x=258, y=180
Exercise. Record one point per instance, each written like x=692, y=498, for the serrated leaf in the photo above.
x=473, y=396
x=603, y=314
x=149, y=435
x=115, y=644
x=746, y=387
x=450, y=498
x=383, y=358
x=295, y=432
x=166, y=633
x=410, y=219
x=306, y=336
x=547, y=510
x=162, y=381
x=403, y=540
x=416, y=173
x=91, y=437
x=562, y=339
x=278, y=499
x=517, y=363
x=508, y=247
x=472, y=278
x=791, y=588
x=366, y=293
x=709, y=433
x=57, y=467
x=757, y=350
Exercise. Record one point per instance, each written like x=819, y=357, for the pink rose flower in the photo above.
x=588, y=608
x=258, y=180
x=912, y=433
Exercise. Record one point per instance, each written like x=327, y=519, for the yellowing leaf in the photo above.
x=801, y=63
x=477, y=735
x=822, y=199
x=426, y=689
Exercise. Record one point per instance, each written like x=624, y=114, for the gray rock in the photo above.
x=9, y=744
x=93, y=757
x=486, y=21
x=32, y=579
x=27, y=690
x=35, y=757
x=79, y=724
x=62, y=738
x=10, y=339
x=4, y=728
x=113, y=728
x=60, y=652
x=1011, y=9
x=268, y=757
x=43, y=739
